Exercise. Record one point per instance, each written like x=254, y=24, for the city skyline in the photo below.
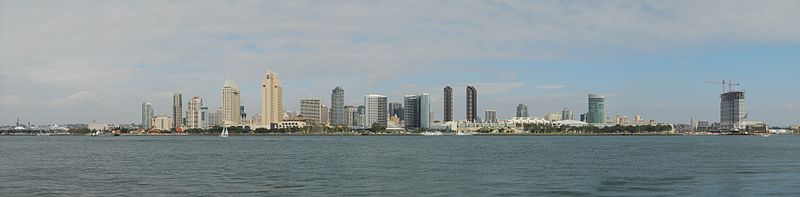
x=654, y=71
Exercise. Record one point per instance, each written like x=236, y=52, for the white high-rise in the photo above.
x=194, y=115
x=271, y=100
x=231, y=111
x=375, y=110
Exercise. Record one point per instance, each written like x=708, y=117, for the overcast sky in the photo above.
x=78, y=61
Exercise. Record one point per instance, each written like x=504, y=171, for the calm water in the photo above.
x=401, y=166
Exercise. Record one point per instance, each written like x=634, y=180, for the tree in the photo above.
x=377, y=127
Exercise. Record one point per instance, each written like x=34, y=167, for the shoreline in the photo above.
x=392, y=134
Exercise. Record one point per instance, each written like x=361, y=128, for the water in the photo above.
x=400, y=166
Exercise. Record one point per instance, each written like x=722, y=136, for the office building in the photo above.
x=271, y=100
x=375, y=110
x=359, y=116
x=337, y=114
x=147, y=116
x=324, y=115
x=311, y=109
x=417, y=111
x=522, y=110
x=204, y=119
x=566, y=114
x=732, y=111
x=597, y=113
x=490, y=116
x=349, y=115
x=396, y=109
x=472, y=104
x=194, y=114
x=448, y=104
x=162, y=123
x=177, y=110
x=231, y=109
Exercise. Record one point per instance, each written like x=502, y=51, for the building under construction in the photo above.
x=731, y=111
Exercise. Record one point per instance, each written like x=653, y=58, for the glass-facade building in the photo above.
x=597, y=111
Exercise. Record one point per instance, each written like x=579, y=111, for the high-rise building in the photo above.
x=522, y=110
x=349, y=115
x=417, y=111
x=204, y=119
x=597, y=112
x=231, y=114
x=214, y=118
x=177, y=110
x=337, y=114
x=472, y=104
x=396, y=109
x=243, y=115
x=162, y=123
x=566, y=114
x=311, y=109
x=359, y=116
x=375, y=110
x=731, y=110
x=147, y=115
x=324, y=115
x=448, y=104
x=271, y=100
x=194, y=116
x=490, y=116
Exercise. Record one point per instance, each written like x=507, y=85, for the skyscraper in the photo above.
x=522, y=110
x=566, y=114
x=359, y=116
x=448, y=104
x=204, y=117
x=396, y=109
x=271, y=100
x=490, y=116
x=337, y=114
x=311, y=109
x=147, y=115
x=194, y=114
x=349, y=115
x=472, y=104
x=177, y=110
x=417, y=111
x=231, y=114
x=597, y=113
x=731, y=110
x=324, y=115
x=375, y=110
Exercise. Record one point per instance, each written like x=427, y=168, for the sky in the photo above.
x=78, y=61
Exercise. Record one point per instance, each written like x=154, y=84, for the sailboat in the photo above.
x=224, y=132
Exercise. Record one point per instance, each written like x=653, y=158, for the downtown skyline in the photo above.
x=108, y=63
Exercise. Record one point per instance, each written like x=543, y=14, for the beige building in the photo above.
x=162, y=123
x=553, y=116
x=194, y=116
x=311, y=110
x=231, y=113
x=271, y=100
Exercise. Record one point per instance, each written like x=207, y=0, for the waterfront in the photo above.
x=401, y=165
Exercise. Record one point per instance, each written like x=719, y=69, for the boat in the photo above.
x=224, y=132
x=97, y=133
x=463, y=133
x=428, y=133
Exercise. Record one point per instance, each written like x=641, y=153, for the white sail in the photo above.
x=224, y=132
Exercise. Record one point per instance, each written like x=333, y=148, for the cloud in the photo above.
x=77, y=98
x=551, y=86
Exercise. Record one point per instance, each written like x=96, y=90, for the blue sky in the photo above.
x=650, y=58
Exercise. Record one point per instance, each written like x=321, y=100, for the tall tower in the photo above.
x=566, y=114
x=375, y=110
x=271, y=100
x=448, y=104
x=472, y=104
x=177, y=110
x=311, y=109
x=731, y=110
x=147, y=116
x=231, y=114
x=597, y=112
x=490, y=115
x=417, y=111
x=337, y=107
x=522, y=110
x=194, y=113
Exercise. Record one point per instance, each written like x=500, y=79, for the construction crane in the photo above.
x=729, y=83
